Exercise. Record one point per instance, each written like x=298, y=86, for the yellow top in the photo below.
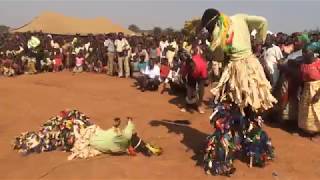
x=242, y=25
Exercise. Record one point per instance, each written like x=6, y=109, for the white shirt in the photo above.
x=121, y=45
x=86, y=46
x=272, y=56
x=163, y=45
x=153, y=72
x=170, y=54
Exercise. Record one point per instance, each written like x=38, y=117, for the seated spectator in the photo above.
x=79, y=63
x=31, y=64
x=150, y=79
x=8, y=70
x=97, y=66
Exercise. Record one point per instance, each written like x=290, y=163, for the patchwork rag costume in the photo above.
x=234, y=135
x=243, y=79
x=243, y=90
x=73, y=131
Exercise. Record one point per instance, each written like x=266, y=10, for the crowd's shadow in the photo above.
x=193, y=139
x=291, y=127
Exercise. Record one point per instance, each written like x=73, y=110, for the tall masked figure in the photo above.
x=243, y=79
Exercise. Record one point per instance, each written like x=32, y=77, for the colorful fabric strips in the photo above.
x=56, y=133
x=235, y=136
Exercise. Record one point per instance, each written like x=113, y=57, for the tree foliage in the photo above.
x=191, y=26
x=4, y=29
x=157, y=31
x=134, y=28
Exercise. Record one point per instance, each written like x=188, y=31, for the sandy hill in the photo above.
x=55, y=23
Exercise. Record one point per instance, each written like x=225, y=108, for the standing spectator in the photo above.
x=309, y=106
x=271, y=56
x=172, y=48
x=153, y=51
x=163, y=45
x=122, y=48
x=109, y=45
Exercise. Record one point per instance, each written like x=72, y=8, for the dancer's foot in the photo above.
x=200, y=110
x=183, y=110
x=316, y=139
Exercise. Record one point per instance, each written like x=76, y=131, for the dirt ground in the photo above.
x=27, y=101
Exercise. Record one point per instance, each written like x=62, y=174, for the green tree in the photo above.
x=169, y=31
x=157, y=31
x=4, y=28
x=134, y=28
x=191, y=27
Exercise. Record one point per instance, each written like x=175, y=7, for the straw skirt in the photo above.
x=243, y=82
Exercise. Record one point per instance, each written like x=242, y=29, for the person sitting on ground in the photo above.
x=97, y=66
x=8, y=70
x=45, y=62
x=17, y=65
x=79, y=63
x=31, y=64
x=2, y=58
x=150, y=79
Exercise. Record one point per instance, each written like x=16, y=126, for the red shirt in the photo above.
x=200, y=70
x=164, y=71
x=311, y=72
x=58, y=60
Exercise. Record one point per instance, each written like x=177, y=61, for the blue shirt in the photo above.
x=142, y=66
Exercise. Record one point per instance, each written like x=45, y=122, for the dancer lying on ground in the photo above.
x=73, y=131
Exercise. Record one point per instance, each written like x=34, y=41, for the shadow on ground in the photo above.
x=193, y=139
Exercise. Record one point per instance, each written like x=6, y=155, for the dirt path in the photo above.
x=27, y=101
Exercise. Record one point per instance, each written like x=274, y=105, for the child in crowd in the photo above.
x=57, y=62
x=79, y=63
x=164, y=72
x=98, y=66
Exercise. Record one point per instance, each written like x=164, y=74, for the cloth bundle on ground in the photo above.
x=235, y=136
x=57, y=132
x=72, y=131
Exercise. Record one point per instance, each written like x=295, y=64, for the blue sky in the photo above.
x=283, y=15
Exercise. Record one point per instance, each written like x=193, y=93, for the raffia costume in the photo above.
x=243, y=79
